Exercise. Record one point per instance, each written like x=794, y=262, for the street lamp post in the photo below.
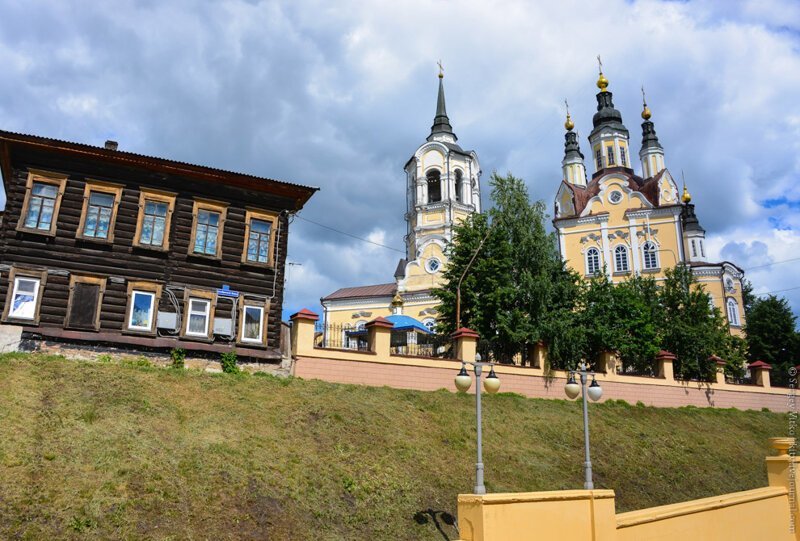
x=595, y=392
x=492, y=385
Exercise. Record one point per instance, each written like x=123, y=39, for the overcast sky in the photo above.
x=340, y=94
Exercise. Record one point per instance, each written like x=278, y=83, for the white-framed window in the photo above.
x=197, y=324
x=361, y=325
x=694, y=248
x=610, y=154
x=702, y=249
x=623, y=159
x=598, y=158
x=615, y=196
x=24, y=298
x=733, y=311
x=430, y=323
x=592, y=261
x=432, y=265
x=459, y=195
x=142, y=310
x=650, y=255
x=621, y=259
x=253, y=324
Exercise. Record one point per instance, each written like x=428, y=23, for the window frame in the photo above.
x=31, y=274
x=159, y=196
x=46, y=177
x=264, y=306
x=75, y=279
x=610, y=156
x=434, y=177
x=211, y=206
x=736, y=320
x=99, y=186
x=203, y=295
x=264, y=216
x=645, y=267
x=153, y=288
x=588, y=267
x=623, y=158
x=619, y=248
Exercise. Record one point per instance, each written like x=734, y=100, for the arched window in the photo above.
x=430, y=323
x=361, y=325
x=621, y=259
x=434, y=186
x=592, y=261
x=733, y=312
x=459, y=195
x=650, y=255
x=694, y=248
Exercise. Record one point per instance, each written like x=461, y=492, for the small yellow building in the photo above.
x=442, y=188
x=630, y=225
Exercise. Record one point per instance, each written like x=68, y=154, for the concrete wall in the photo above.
x=761, y=514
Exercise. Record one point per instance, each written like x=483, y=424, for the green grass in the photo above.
x=123, y=451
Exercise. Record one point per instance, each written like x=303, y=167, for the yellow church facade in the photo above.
x=624, y=224
x=442, y=189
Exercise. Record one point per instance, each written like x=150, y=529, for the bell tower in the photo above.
x=609, y=138
x=442, y=188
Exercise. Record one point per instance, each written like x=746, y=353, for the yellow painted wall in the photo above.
x=584, y=515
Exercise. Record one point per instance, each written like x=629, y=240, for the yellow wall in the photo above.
x=589, y=515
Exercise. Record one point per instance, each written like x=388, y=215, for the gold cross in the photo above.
x=599, y=64
x=441, y=69
x=567, y=104
x=644, y=100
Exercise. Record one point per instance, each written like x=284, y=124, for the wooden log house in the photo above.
x=103, y=246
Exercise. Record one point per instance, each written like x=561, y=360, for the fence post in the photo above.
x=303, y=323
x=379, y=335
x=720, y=368
x=760, y=371
x=781, y=473
x=608, y=363
x=466, y=342
x=665, y=360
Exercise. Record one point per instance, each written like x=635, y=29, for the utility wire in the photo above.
x=773, y=263
x=350, y=234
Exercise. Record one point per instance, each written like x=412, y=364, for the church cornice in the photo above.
x=581, y=220
x=671, y=210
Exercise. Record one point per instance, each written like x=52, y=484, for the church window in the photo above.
x=459, y=195
x=615, y=196
x=610, y=154
x=702, y=249
x=433, y=265
x=598, y=158
x=621, y=259
x=434, y=187
x=430, y=323
x=650, y=255
x=622, y=158
x=733, y=312
x=694, y=248
x=592, y=261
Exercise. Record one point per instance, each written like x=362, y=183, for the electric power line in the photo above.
x=350, y=234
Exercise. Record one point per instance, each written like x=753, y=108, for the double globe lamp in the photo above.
x=492, y=385
x=572, y=389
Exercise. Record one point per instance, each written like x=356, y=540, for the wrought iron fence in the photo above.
x=438, y=346
x=340, y=336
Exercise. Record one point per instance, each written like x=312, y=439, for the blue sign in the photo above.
x=226, y=291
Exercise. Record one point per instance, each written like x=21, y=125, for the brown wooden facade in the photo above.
x=87, y=280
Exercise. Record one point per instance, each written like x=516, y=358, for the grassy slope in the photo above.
x=96, y=451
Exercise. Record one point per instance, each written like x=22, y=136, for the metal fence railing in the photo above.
x=422, y=345
x=340, y=336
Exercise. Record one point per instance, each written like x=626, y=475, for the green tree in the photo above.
x=518, y=286
x=692, y=329
x=771, y=336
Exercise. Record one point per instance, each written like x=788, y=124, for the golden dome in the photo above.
x=646, y=112
x=602, y=82
x=686, y=197
x=569, y=124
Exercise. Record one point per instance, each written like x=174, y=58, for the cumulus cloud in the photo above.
x=339, y=95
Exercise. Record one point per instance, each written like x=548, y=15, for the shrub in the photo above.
x=178, y=355
x=228, y=362
x=104, y=358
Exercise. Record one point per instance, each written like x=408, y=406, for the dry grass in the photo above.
x=110, y=451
